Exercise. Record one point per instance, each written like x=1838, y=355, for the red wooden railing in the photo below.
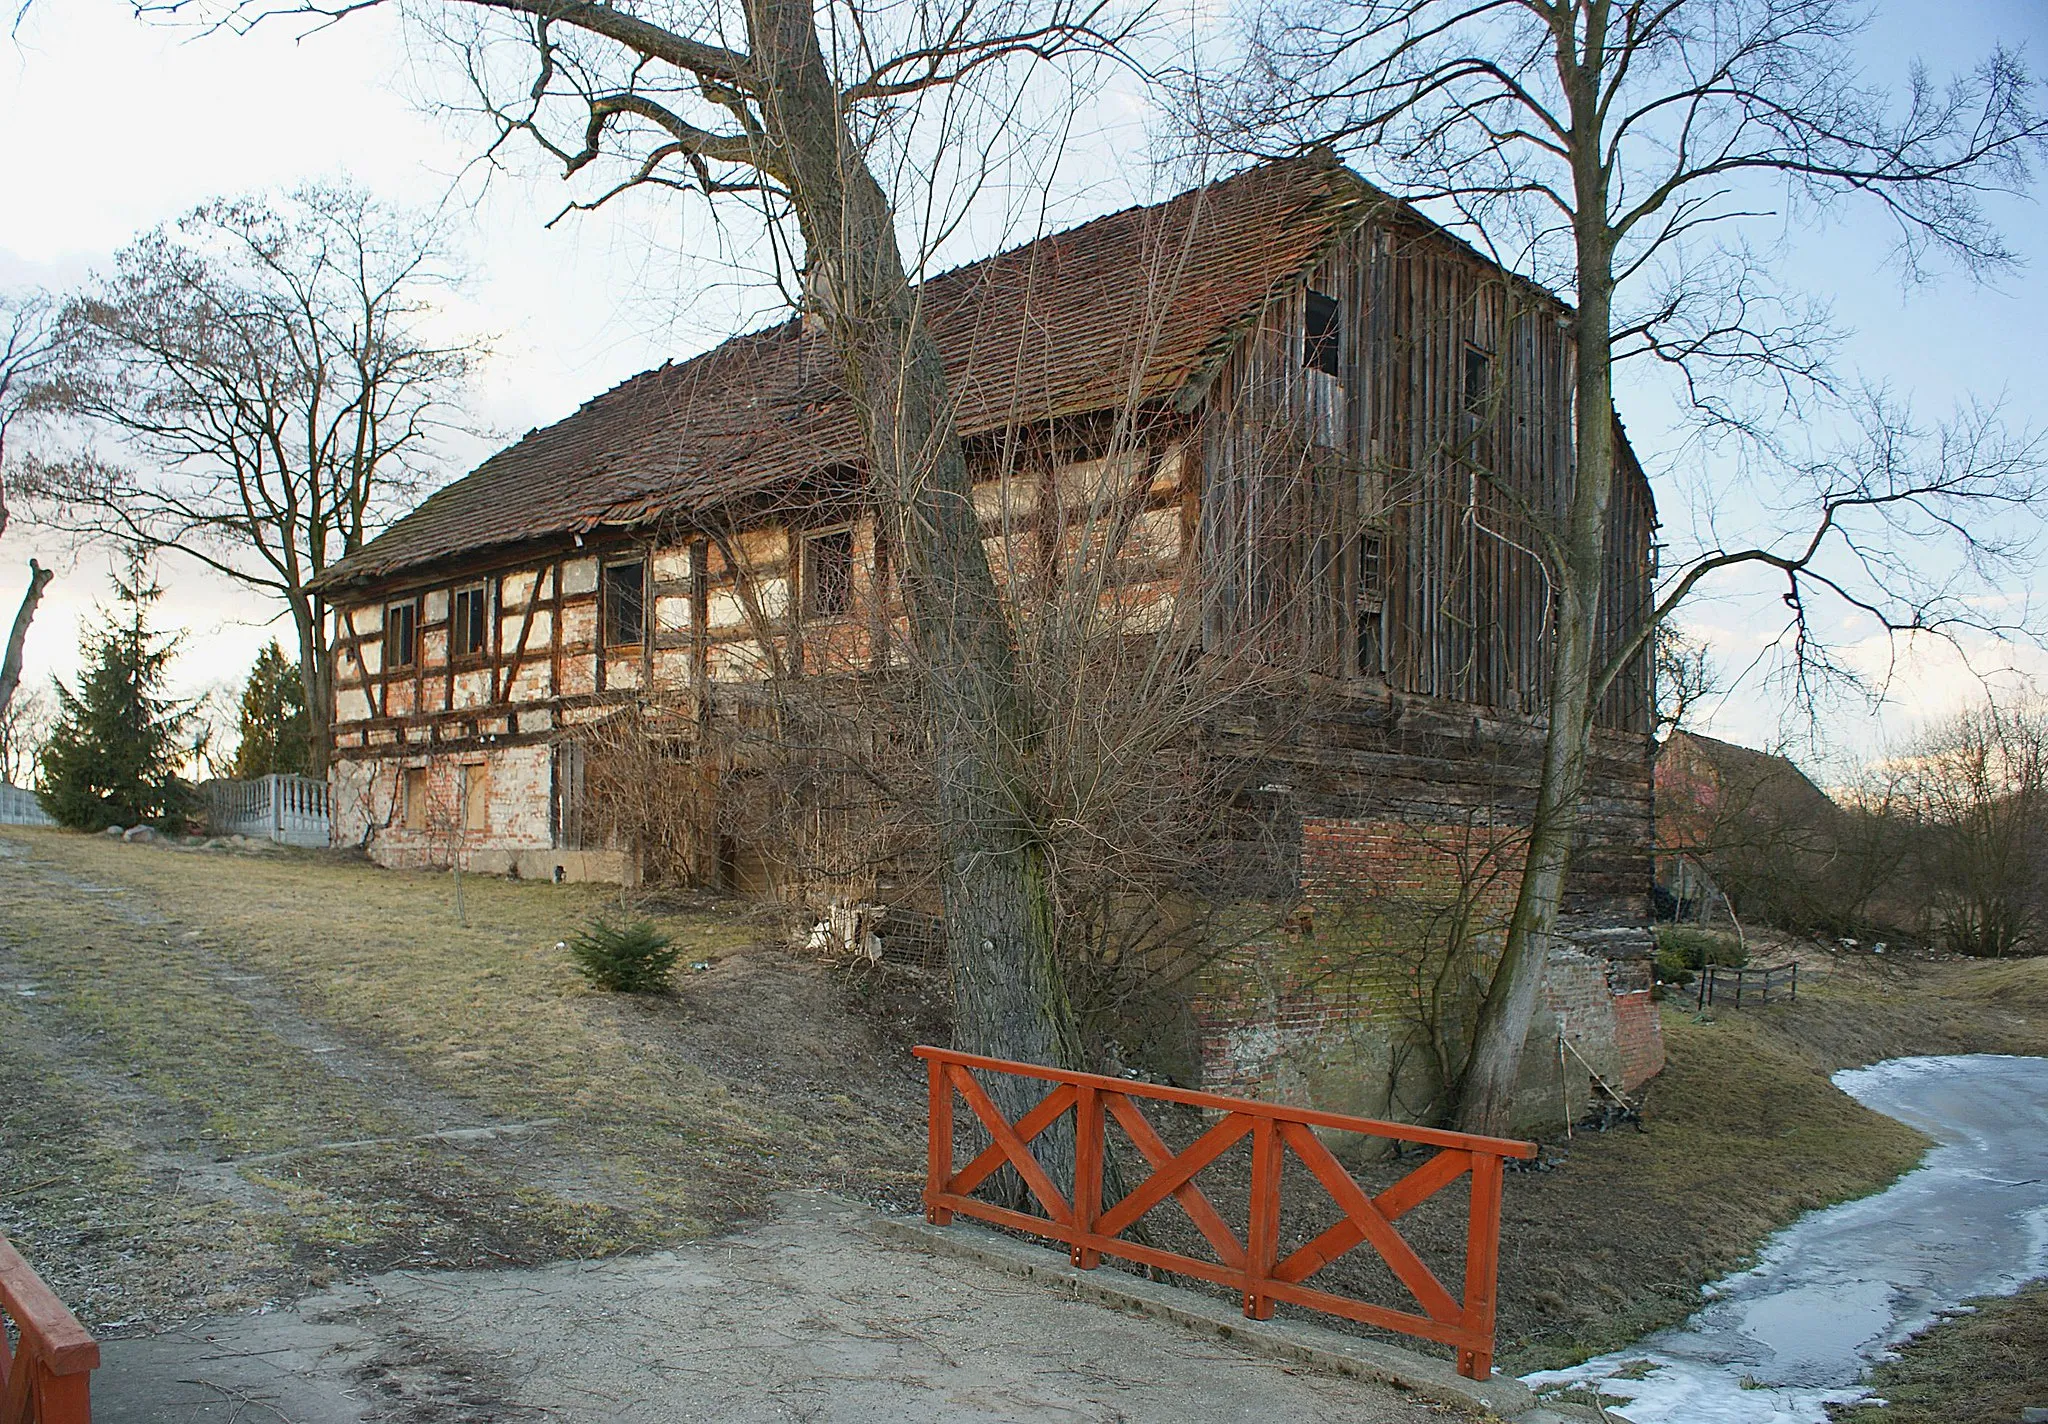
x=46, y=1378
x=1251, y=1263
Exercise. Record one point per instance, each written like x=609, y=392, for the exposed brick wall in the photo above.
x=1324, y=1009
x=1640, y=1037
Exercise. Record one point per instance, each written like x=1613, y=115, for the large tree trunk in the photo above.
x=10, y=667
x=313, y=677
x=1486, y=1093
x=1009, y=996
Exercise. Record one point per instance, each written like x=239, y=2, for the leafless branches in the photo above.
x=260, y=390
x=1619, y=152
x=28, y=349
x=1975, y=788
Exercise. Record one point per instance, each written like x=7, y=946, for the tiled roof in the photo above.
x=1127, y=307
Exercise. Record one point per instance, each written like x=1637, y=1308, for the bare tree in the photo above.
x=1614, y=149
x=1977, y=791
x=27, y=349
x=793, y=108
x=263, y=372
x=1684, y=676
x=24, y=723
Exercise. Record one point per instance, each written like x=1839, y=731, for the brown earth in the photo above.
x=243, y=1076
x=237, y=1076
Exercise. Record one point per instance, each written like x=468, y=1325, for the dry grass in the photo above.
x=229, y=1061
x=1983, y=1367
x=1745, y=1133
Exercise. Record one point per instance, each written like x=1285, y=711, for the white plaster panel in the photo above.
x=672, y=613
x=579, y=576
x=672, y=668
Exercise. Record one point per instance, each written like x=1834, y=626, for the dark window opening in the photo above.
x=401, y=635
x=1368, y=632
x=1371, y=653
x=625, y=604
x=828, y=574
x=466, y=627
x=1323, y=328
x=1478, y=379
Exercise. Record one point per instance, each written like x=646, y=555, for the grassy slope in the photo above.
x=193, y=1011
x=1745, y=1132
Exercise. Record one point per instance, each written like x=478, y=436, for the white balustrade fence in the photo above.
x=19, y=807
x=291, y=810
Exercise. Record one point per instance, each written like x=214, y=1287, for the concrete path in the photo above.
x=811, y=1316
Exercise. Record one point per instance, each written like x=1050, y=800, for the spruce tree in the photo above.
x=276, y=734
x=113, y=757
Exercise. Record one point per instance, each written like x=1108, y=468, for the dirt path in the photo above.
x=257, y=1073
x=807, y=1317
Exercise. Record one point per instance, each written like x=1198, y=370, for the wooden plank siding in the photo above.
x=1375, y=528
x=1431, y=505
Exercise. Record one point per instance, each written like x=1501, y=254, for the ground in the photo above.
x=1617, y=1230
x=1742, y=1133
x=1982, y=1366
x=260, y=1076
x=807, y=1316
x=264, y=1106
x=261, y=1071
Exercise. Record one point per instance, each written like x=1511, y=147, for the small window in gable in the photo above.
x=469, y=615
x=828, y=573
x=1323, y=334
x=402, y=634
x=1478, y=379
x=625, y=604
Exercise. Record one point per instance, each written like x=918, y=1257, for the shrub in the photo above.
x=1683, y=951
x=630, y=959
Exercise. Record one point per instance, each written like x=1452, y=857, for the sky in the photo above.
x=110, y=125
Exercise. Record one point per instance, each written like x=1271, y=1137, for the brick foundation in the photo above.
x=1331, y=1008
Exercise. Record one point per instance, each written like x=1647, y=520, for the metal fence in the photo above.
x=19, y=807
x=291, y=810
x=1725, y=984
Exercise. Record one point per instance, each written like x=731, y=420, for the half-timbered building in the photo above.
x=701, y=527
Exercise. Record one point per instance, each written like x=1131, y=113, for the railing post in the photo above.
x=1263, y=1230
x=66, y=1399
x=939, y=1148
x=1087, y=1194
x=1482, y=1264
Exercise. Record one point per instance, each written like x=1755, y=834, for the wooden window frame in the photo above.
x=411, y=608
x=481, y=621
x=1476, y=379
x=415, y=792
x=1322, y=340
x=605, y=637
x=807, y=583
x=473, y=797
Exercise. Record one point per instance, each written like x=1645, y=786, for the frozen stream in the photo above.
x=1832, y=1291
